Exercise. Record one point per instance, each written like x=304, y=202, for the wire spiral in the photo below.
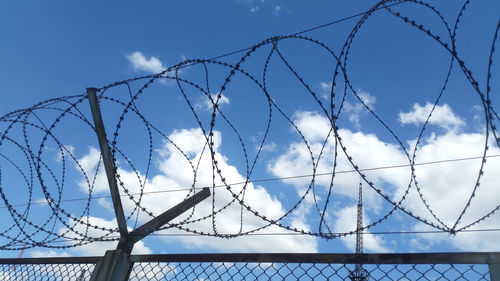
x=38, y=159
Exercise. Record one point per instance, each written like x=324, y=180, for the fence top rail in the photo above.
x=51, y=260
x=406, y=258
x=397, y=258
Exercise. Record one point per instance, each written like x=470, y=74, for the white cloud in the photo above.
x=248, y=244
x=478, y=116
x=66, y=149
x=313, y=126
x=365, y=149
x=47, y=254
x=277, y=10
x=89, y=163
x=446, y=187
x=177, y=169
x=98, y=248
x=326, y=89
x=442, y=116
x=254, y=9
x=106, y=203
x=207, y=103
x=368, y=99
x=480, y=241
x=176, y=172
x=268, y=147
x=41, y=201
x=354, y=110
x=142, y=63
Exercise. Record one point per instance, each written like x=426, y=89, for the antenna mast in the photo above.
x=359, y=225
x=359, y=273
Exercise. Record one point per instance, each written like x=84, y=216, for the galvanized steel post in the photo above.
x=107, y=159
x=116, y=264
x=494, y=266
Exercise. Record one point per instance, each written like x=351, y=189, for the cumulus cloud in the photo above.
x=443, y=116
x=175, y=171
x=140, y=62
x=481, y=241
x=365, y=149
x=89, y=164
x=446, y=187
x=297, y=161
x=98, y=248
x=313, y=126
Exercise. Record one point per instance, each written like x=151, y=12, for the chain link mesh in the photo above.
x=46, y=272
x=147, y=269
x=304, y=271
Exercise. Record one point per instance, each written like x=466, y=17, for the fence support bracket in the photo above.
x=116, y=264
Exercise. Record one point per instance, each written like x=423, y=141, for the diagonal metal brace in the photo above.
x=116, y=264
x=107, y=159
x=157, y=222
x=168, y=215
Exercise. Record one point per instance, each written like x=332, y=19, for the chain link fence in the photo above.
x=301, y=271
x=47, y=269
x=376, y=267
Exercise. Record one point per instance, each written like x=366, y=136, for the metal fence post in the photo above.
x=116, y=264
x=494, y=271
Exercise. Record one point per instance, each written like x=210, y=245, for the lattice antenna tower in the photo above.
x=359, y=273
x=359, y=225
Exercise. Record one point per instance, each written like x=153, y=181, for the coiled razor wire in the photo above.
x=29, y=135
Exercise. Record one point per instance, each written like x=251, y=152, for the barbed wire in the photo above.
x=38, y=148
x=269, y=179
x=116, y=237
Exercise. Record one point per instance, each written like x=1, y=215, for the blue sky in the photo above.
x=59, y=48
